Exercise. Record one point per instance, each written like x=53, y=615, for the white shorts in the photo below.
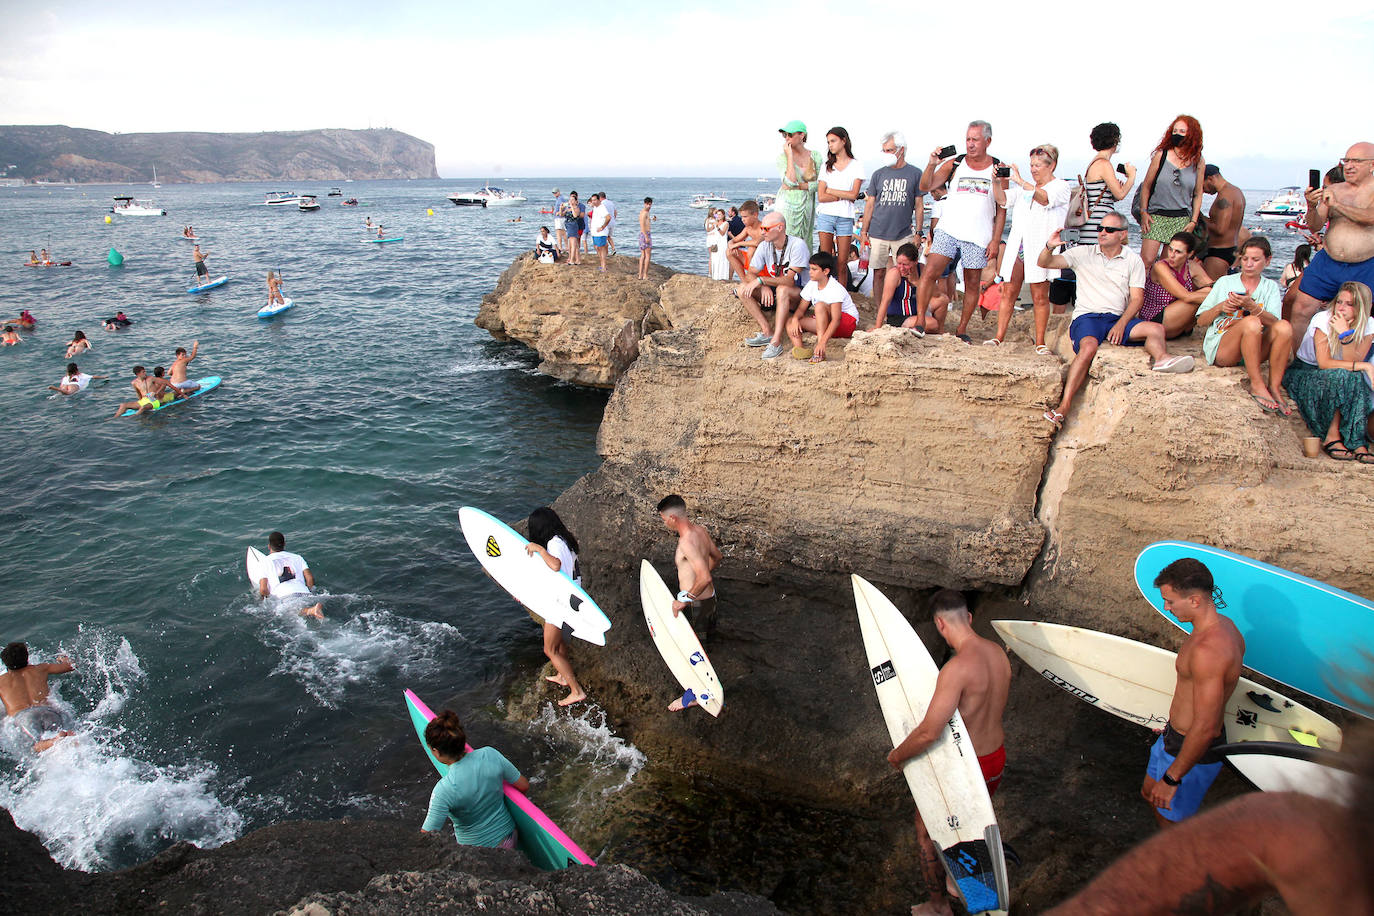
x=558, y=223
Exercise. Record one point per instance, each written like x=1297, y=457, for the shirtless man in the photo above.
x=24, y=688
x=1223, y=222
x=142, y=386
x=975, y=681
x=1346, y=209
x=742, y=244
x=696, y=558
x=202, y=270
x=177, y=374
x=1182, y=766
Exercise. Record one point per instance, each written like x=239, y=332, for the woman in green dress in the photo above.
x=801, y=169
x=1331, y=380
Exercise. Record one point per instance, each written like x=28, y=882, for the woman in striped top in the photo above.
x=1100, y=183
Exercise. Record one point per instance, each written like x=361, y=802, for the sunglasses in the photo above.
x=1347, y=160
x=1111, y=228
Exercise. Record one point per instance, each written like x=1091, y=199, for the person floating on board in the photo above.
x=120, y=320
x=1182, y=765
x=25, y=320
x=202, y=271
x=46, y=258
x=10, y=336
x=160, y=389
x=177, y=374
x=24, y=689
x=78, y=345
x=470, y=793
x=555, y=544
x=290, y=575
x=975, y=681
x=33, y=258
x=75, y=380
x=696, y=557
x=142, y=386
x=189, y=232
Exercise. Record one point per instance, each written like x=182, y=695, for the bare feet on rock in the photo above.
x=558, y=679
x=573, y=698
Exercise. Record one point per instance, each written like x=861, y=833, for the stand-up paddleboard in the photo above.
x=189, y=238
x=398, y=238
x=1136, y=681
x=1274, y=767
x=554, y=596
x=271, y=311
x=1301, y=632
x=945, y=781
x=211, y=285
x=540, y=839
x=206, y=384
x=676, y=641
x=48, y=264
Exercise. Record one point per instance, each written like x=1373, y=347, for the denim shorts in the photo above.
x=835, y=225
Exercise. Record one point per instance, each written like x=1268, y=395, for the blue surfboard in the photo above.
x=1300, y=632
x=384, y=241
x=208, y=383
x=271, y=311
x=211, y=285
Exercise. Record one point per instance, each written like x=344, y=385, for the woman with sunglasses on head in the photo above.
x=1171, y=194
x=1039, y=206
x=839, y=186
x=1330, y=381
x=801, y=170
x=1101, y=187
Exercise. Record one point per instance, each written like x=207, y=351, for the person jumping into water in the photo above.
x=290, y=575
x=24, y=689
x=696, y=557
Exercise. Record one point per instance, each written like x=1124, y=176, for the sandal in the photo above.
x=1268, y=405
x=1042, y=350
x=1337, y=451
x=1054, y=417
x=992, y=342
x=817, y=358
x=1364, y=457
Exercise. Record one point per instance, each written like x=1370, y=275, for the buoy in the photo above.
x=429, y=212
x=108, y=219
x=115, y=258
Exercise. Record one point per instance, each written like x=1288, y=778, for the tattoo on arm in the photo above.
x=1221, y=204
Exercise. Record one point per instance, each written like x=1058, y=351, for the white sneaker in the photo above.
x=1175, y=364
x=774, y=350
x=918, y=331
x=757, y=339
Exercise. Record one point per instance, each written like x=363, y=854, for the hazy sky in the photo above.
x=700, y=89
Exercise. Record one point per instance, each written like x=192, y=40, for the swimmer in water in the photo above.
x=24, y=689
x=289, y=575
x=78, y=345
x=75, y=380
x=25, y=320
x=10, y=337
x=120, y=320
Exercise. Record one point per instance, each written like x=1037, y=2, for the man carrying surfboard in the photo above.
x=1182, y=764
x=287, y=574
x=975, y=681
x=696, y=558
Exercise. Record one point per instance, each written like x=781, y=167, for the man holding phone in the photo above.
x=971, y=220
x=1347, y=211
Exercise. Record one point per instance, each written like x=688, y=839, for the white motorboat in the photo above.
x=282, y=198
x=335, y=192
x=717, y=197
x=1289, y=204
x=700, y=202
x=128, y=206
x=767, y=202
x=487, y=197
x=308, y=202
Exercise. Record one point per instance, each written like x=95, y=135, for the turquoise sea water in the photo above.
x=358, y=424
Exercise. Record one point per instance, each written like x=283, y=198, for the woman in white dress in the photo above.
x=718, y=244
x=1039, y=207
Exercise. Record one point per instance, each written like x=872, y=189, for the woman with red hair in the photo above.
x=1171, y=194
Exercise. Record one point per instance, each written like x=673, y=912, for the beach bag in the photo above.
x=1078, y=206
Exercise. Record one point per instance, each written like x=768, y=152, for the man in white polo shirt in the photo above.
x=1111, y=287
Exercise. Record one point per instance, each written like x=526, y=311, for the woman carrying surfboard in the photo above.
x=470, y=794
x=557, y=547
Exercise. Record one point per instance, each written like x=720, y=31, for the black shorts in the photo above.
x=1226, y=254
x=200, y=269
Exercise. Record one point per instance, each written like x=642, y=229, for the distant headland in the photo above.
x=56, y=153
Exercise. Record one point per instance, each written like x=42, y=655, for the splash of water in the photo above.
x=612, y=761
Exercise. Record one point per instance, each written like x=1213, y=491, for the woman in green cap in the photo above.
x=800, y=168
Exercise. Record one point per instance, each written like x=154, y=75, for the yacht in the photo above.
x=1289, y=203
x=716, y=197
x=335, y=192
x=487, y=197
x=128, y=206
x=308, y=202
x=700, y=202
x=282, y=198
x=154, y=181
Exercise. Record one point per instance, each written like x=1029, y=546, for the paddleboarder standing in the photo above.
x=975, y=681
x=202, y=272
x=1182, y=763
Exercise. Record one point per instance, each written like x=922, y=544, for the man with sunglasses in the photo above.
x=1346, y=209
x=1111, y=288
x=771, y=282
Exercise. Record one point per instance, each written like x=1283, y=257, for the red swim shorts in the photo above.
x=992, y=766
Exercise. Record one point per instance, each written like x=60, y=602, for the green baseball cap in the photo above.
x=792, y=127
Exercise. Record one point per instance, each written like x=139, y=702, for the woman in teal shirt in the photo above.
x=1243, y=315
x=470, y=794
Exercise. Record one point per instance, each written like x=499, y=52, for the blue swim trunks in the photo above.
x=1194, y=785
x=1097, y=325
x=598, y=241
x=1324, y=276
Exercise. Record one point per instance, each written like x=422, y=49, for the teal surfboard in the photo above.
x=208, y=286
x=540, y=839
x=209, y=383
x=384, y=241
x=1303, y=633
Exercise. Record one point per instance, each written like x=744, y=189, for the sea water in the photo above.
x=358, y=423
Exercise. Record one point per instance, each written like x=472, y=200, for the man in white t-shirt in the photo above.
x=834, y=311
x=971, y=219
x=75, y=380
x=610, y=229
x=772, y=282
x=290, y=575
x=600, y=220
x=1111, y=288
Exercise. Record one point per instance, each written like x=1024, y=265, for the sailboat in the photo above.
x=154, y=182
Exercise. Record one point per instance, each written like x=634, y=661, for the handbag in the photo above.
x=1078, y=206
x=1135, y=201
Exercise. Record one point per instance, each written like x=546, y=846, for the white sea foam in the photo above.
x=94, y=799
x=612, y=760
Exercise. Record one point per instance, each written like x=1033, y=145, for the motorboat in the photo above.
x=717, y=197
x=335, y=192
x=282, y=198
x=487, y=197
x=128, y=206
x=700, y=202
x=767, y=202
x=351, y=202
x=1289, y=204
x=308, y=202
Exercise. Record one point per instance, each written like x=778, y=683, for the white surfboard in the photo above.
x=554, y=596
x=1277, y=767
x=1135, y=681
x=945, y=781
x=677, y=642
x=259, y=567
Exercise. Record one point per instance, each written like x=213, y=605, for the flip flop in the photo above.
x=1337, y=451
x=1364, y=457
x=992, y=342
x=817, y=358
x=1271, y=406
x=1042, y=350
x=1054, y=417
x=687, y=699
x=1284, y=407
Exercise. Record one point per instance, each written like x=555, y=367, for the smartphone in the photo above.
x=1003, y=171
x=1069, y=236
x=1314, y=178
x=948, y=151
x=1121, y=168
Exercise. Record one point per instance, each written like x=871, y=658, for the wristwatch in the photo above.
x=1169, y=780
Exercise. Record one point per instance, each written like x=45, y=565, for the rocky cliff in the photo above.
x=60, y=153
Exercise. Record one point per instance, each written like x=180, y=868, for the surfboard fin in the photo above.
x=1304, y=738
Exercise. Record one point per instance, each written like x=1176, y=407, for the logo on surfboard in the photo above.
x=884, y=672
x=493, y=548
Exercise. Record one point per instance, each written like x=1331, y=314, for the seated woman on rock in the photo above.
x=1330, y=381
x=1243, y=315
x=470, y=793
x=1176, y=287
x=897, y=302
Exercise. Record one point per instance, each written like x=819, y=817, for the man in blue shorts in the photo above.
x=1183, y=762
x=1111, y=287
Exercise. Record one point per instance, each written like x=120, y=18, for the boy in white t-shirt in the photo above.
x=834, y=312
x=290, y=575
x=75, y=380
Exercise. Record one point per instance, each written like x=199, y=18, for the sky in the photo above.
x=669, y=89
